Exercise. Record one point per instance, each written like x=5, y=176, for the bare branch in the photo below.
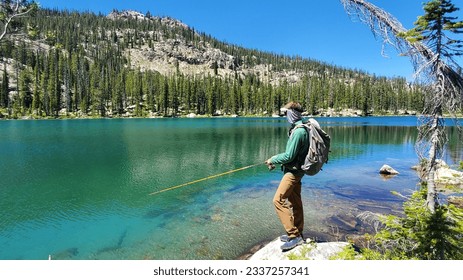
x=384, y=25
x=444, y=83
x=13, y=14
x=373, y=219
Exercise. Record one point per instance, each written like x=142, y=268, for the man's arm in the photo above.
x=292, y=149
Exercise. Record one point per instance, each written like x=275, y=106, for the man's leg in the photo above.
x=283, y=209
x=296, y=202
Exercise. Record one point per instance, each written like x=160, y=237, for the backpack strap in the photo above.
x=303, y=125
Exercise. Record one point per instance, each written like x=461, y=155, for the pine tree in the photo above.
x=431, y=29
x=429, y=230
x=25, y=94
x=36, y=108
x=4, y=90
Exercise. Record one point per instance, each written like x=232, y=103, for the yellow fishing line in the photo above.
x=204, y=179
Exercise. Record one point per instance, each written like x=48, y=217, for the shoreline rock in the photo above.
x=447, y=180
x=445, y=177
x=309, y=250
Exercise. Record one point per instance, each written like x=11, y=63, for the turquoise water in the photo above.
x=79, y=189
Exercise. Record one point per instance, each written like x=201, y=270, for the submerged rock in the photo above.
x=67, y=254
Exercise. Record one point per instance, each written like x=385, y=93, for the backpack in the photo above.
x=319, y=148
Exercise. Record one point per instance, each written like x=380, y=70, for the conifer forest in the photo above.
x=61, y=64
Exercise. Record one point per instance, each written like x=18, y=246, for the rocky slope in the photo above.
x=169, y=55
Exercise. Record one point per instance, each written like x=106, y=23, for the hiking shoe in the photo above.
x=292, y=243
x=285, y=238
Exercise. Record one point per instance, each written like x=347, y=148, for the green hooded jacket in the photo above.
x=296, y=150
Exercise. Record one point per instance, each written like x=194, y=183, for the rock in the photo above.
x=191, y=115
x=447, y=180
x=345, y=222
x=127, y=14
x=387, y=170
x=445, y=177
x=67, y=254
x=312, y=251
x=456, y=200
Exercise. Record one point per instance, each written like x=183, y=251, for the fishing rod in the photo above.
x=204, y=179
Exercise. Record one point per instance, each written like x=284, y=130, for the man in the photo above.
x=287, y=199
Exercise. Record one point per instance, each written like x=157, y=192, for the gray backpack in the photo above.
x=319, y=148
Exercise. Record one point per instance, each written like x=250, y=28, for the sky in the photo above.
x=313, y=29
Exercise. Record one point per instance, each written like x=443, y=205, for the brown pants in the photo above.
x=288, y=204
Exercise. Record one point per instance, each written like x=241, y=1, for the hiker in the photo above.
x=287, y=199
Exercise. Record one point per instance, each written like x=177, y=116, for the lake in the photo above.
x=80, y=189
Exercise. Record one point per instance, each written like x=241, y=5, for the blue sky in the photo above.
x=315, y=29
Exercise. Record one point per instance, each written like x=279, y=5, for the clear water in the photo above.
x=79, y=189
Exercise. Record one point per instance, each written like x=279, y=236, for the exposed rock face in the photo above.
x=169, y=55
x=166, y=57
x=127, y=14
x=312, y=251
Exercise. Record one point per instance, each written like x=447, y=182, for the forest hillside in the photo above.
x=62, y=64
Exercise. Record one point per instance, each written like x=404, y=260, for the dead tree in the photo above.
x=443, y=85
x=11, y=10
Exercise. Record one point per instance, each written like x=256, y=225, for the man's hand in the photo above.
x=270, y=164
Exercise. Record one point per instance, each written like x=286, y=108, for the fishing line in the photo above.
x=204, y=179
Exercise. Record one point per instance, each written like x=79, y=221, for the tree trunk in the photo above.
x=431, y=199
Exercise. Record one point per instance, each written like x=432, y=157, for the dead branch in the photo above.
x=12, y=11
x=373, y=219
x=445, y=83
